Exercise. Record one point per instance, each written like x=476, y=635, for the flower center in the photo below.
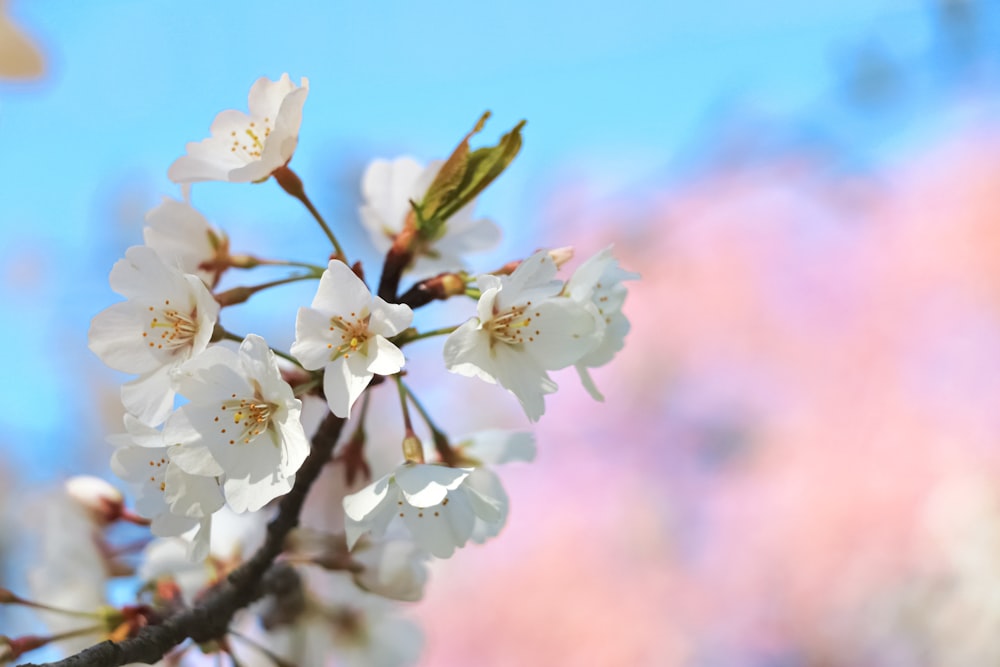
x=349, y=335
x=512, y=326
x=249, y=144
x=243, y=419
x=158, y=469
x=170, y=329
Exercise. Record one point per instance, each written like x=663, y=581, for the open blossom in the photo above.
x=598, y=281
x=247, y=147
x=174, y=500
x=182, y=237
x=168, y=317
x=388, y=188
x=484, y=450
x=524, y=329
x=241, y=424
x=433, y=501
x=346, y=333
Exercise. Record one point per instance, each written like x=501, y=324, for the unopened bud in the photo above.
x=413, y=450
x=102, y=502
x=561, y=255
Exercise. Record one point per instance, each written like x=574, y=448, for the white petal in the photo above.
x=150, y=397
x=389, y=319
x=116, y=337
x=312, y=336
x=440, y=529
x=467, y=352
x=247, y=494
x=522, y=376
x=496, y=446
x=588, y=383
x=343, y=384
x=384, y=358
x=387, y=188
x=426, y=485
x=196, y=460
x=359, y=506
x=561, y=332
x=341, y=292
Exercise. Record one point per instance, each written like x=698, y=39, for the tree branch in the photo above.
x=210, y=618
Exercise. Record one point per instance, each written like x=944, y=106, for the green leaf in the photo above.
x=463, y=176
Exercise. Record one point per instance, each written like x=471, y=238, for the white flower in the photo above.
x=234, y=537
x=168, y=318
x=248, y=147
x=433, y=502
x=182, y=237
x=489, y=448
x=346, y=333
x=174, y=500
x=242, y=420
x=524, y=329
x=388, y=188
x=598, y=281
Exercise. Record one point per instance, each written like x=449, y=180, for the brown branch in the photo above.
x=210, y=618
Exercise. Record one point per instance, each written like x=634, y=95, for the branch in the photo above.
x=210, y=618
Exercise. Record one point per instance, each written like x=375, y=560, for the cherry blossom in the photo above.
x=248, y=147
x=484, y=450
x=524, y=328
x=389, y=187
x=168, y=317
x=433, y=501
x=174, y=500
x=241, y=424
x=346, y=333
x=598, y=281
x=182, y=237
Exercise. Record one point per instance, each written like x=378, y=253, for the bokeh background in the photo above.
x=798, y=461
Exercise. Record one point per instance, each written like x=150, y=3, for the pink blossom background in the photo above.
x=800, y=424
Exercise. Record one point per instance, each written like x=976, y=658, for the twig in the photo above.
x=210, y=618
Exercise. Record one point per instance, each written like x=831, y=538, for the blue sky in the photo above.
x=614, y=91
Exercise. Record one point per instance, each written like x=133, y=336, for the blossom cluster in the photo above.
x=213, y=420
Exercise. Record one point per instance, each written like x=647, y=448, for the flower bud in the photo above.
x=102, y=502
x=561, y=255
x=413, y=450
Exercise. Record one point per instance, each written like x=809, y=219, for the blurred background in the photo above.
x=798, y=461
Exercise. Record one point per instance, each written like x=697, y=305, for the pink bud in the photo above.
x=103, y=502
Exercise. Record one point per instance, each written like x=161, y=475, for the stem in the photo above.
x=223, y=334
x=292, y=184
x=263, y=650
x=57, y=610
x=441, y=443
x=306, y=386
x=403, y=391
x=236, y=295
x=444, y=331
x=315, y=268
x=210, y=617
